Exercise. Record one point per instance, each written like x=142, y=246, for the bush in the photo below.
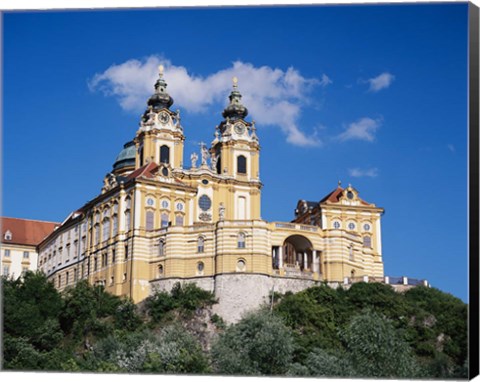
x=186, y=298
x=259, y=344
x=376, y=349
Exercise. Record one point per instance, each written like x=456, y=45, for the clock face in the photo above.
x=350, y=195
x=239, y=128
x=163, y=117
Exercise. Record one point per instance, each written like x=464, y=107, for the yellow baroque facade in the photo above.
x=158, y=221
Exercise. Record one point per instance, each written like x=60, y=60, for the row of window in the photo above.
x=201, y=244
x=26, y=254
x=6, y=270
x=240, y=267
x=164, y=220
x=165, y=204
x=351, y=225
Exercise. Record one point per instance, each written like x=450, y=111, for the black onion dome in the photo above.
x=235, y=110
x=160, y=99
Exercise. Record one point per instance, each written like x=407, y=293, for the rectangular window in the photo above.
x=367, y=242
x=126, y=252
x=164, y=220
x=113, y=256
x=149, y=221
x=127, y=221
x=7, y=253
x=179, y=220
x=26, y=255
x=6, y=270
x=241, y=208
x=66, y=279
x=106, y=229
x=115, y=225
x=97, y=234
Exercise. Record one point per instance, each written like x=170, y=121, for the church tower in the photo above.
x=160, y=136
x=236, y=151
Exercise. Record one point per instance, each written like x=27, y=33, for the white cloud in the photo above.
x=380, y=82
x=273, y=97
x=364, y=129
x=326, y=80
x=359, y=173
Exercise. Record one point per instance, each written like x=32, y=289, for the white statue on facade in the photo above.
x=194, y=158
x=221, y=212
x=204, y=150
x=150, y=115
x=213, y=161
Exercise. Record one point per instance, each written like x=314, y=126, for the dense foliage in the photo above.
x=368, y=330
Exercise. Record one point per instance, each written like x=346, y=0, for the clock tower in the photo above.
x=236, y=150
x=160, y=136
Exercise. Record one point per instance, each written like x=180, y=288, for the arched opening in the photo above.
x=241, y=164
x=298, y=253
x=164, y=154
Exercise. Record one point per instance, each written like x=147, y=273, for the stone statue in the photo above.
x=213, y=161
x=203, y=147
x=194, y=158
x=221, y=212
x=151, y=115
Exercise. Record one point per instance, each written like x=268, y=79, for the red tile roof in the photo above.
x=25, y=231
x=146, y=171
x=334, y=197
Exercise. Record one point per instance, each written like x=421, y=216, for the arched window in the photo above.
x=127, y=221
x=160, y=270
x=149, y=220
x=241, y=265
x=106, y=229
x=161, y=247
x=200, y=244
x=179, y=220
x=200, y=267
x=115, y=225
x=8, y=235
x=164, y=220
x=97, y=233
x=367, y=242
x=164, y=154
x=241, y=164
x=241, y=240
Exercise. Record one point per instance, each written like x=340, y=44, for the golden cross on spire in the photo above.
x=160, y=70
x=235, y=82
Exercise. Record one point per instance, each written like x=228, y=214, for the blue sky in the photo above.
x=375, y=96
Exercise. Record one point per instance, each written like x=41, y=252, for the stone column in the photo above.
x=315, y=261
x=280, y=257
x=305, y=260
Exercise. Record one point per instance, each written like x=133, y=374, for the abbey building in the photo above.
x=159, y=220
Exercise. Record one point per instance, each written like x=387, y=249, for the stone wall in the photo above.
x=237, y=293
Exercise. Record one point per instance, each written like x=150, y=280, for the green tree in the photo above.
x=376, y=349
x=320, y=363
x=259, y=344
x=127, y=317
x=84, y=305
